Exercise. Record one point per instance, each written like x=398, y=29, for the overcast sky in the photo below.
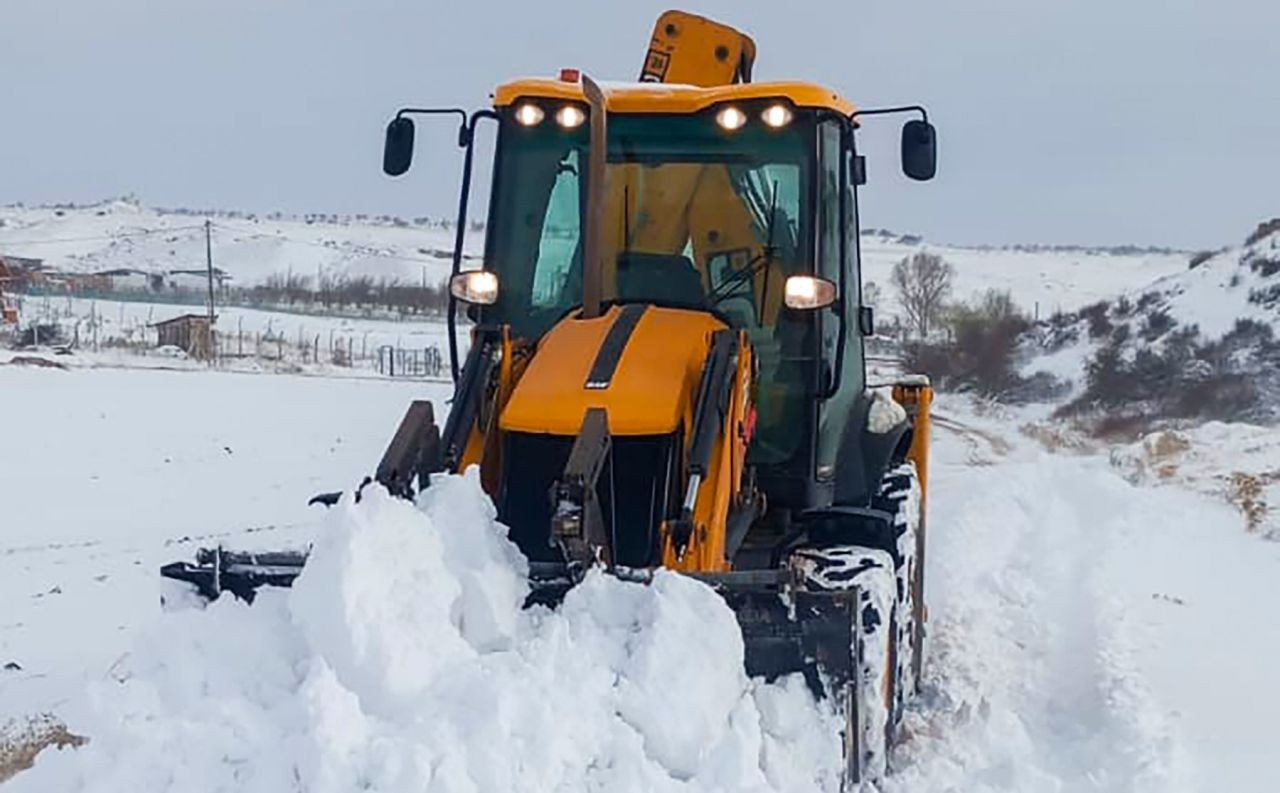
x=1090, y=121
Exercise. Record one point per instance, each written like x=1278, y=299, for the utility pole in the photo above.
x=208, y=259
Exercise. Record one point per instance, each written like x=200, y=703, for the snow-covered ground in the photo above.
x=105, y=474
x=1087, y=633
x=122, y=333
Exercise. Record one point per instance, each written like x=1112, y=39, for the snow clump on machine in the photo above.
x=402, y=660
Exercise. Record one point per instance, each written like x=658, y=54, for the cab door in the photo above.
x=842, y=358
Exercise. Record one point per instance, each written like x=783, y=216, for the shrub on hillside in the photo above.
x=1096, y=315
x=1182, y=377
x=1157, y=323
x=1265, y=266
x=1265, y=229
x=1200, y=258
x=981, y=354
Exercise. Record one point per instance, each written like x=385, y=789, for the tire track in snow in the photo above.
x=1029, y=683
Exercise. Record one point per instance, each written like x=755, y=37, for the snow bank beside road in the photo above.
x=403, y=661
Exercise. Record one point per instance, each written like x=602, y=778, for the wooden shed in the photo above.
x=191, y=333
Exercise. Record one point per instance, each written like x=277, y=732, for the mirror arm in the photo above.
x=464, y=132
x=467, y=134
x=887, y=111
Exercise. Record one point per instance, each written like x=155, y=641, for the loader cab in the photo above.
x=735, y=201
x=710, y=205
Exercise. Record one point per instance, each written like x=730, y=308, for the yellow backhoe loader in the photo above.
x=666, y=369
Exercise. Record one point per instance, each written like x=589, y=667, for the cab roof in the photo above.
x=671, y=98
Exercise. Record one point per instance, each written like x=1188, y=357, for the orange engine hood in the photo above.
x=652, y=386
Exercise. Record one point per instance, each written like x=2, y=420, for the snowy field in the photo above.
x=1087, y=633
x=105, y=474
x=119, y=333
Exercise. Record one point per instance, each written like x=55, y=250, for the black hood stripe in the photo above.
x=615, y=341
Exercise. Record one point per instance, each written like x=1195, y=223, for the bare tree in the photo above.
x=923, y=281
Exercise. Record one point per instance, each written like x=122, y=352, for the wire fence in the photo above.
x=426, y=362
x=60, y=324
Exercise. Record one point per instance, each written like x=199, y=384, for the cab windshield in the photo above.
x=694, y=216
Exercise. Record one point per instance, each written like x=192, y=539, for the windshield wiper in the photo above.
x=725, y=288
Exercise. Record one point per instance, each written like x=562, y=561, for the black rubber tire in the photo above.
x=829, y=568
x=899, y=494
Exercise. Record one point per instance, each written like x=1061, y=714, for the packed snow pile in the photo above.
x=1238, y=463
x=402, y=660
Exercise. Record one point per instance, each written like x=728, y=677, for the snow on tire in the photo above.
x=900, y=495
x=887, y=601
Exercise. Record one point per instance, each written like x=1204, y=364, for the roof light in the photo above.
x=475, y=286
x=529, y=114
x=808, y=292
x=731, y=118
x=776, y=116
x=570, y=116
x=570, y=75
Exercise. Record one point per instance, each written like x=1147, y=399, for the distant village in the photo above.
x=31, y=276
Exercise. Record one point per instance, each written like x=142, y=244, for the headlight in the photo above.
x=731, y=118
x=529, y=114
x=570, y=116
x=808, y=292
x=476, y=286
x=776, y=116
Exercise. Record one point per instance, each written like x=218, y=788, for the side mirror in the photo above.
x=476, y=287
x=808, y=292
x=866, y=321
x=919, y=150
x=397, y=155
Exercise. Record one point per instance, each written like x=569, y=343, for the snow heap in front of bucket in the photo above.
x=403, y=661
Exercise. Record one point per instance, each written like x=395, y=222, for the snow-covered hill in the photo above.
x=1041, y=281
x=1208, y=333
x=125, y=234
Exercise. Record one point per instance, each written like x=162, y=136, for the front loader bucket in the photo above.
x=815, y=634
x=238, y=572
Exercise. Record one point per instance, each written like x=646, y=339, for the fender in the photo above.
x=865, y=455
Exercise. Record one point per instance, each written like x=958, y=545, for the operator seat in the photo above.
x=662, y=278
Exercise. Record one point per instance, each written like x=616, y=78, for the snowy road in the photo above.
x=1086, y=634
